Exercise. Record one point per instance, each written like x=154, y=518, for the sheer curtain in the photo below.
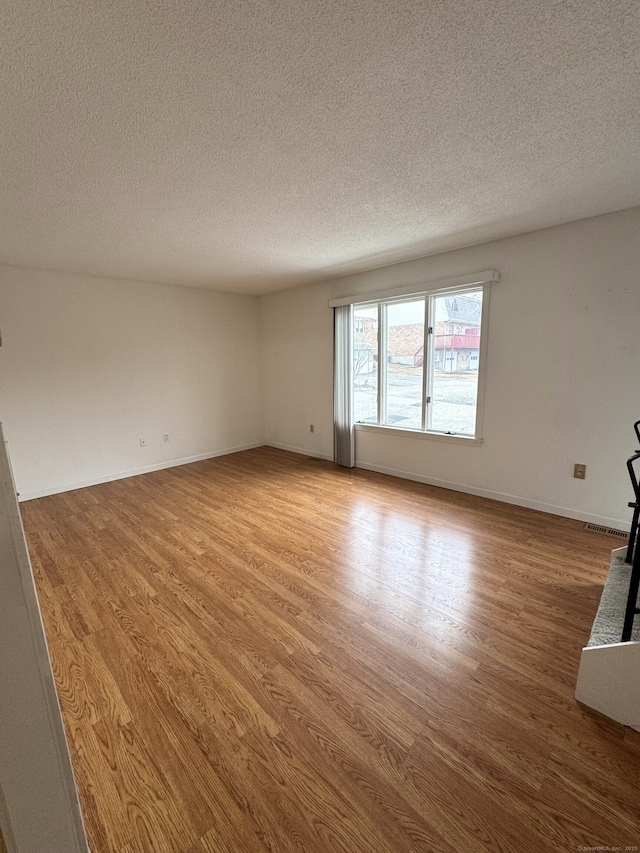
x=343, y=429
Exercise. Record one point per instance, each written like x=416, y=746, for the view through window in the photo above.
x=365, y=364
x=404, y=363
x=417, y=361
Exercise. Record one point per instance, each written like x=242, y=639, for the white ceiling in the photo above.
x=253, y=145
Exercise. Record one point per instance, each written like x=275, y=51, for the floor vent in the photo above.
x=595, y=528
x=316, y=459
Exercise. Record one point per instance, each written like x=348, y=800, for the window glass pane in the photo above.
x=456, y=354
x=404, y=363
x=365, y=364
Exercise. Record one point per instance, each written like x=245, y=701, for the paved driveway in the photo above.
x=453, y=399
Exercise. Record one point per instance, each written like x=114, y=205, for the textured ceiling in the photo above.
x=253, y=146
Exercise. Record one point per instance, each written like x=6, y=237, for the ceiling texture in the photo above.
x=255, y=145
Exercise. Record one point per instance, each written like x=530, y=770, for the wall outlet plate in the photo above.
x=579, y=471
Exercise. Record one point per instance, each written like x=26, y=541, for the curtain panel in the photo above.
x=343, y=429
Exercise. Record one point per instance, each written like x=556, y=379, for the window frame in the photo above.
x=384, y=299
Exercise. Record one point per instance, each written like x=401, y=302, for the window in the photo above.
x=365, y=364
x=417, y=361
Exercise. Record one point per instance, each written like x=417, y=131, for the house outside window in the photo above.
x=417, y=362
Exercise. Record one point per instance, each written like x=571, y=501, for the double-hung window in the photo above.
x=418, y=360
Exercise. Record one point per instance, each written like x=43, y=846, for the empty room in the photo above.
x=320, y=413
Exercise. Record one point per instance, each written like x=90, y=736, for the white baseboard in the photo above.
x=302, y=451
x=566, y=512
x=516, y=500
x=121, y=475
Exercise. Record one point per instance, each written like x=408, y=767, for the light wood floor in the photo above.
x=266, y=653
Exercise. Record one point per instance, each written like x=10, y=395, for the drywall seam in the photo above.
x=121, y=475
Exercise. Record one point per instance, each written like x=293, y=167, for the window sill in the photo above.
x=412, y=433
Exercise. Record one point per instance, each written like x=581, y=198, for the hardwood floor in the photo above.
x=263, y=652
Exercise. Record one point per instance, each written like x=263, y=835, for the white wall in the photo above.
x=88, y=366
x=563, y=369
x=39, y=808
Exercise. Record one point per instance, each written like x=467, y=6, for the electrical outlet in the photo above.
x=165, y=435
x=579, y=471
x=143, y=442
x=312, y=428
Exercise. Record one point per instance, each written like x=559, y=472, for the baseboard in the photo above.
x=503, y=497
x=565, y=512
x=121, y=475
x=302, y=451
x=516, y=500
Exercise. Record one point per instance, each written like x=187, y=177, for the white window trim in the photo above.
x=414, y=433
x=423, y=289
x=460, y=284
